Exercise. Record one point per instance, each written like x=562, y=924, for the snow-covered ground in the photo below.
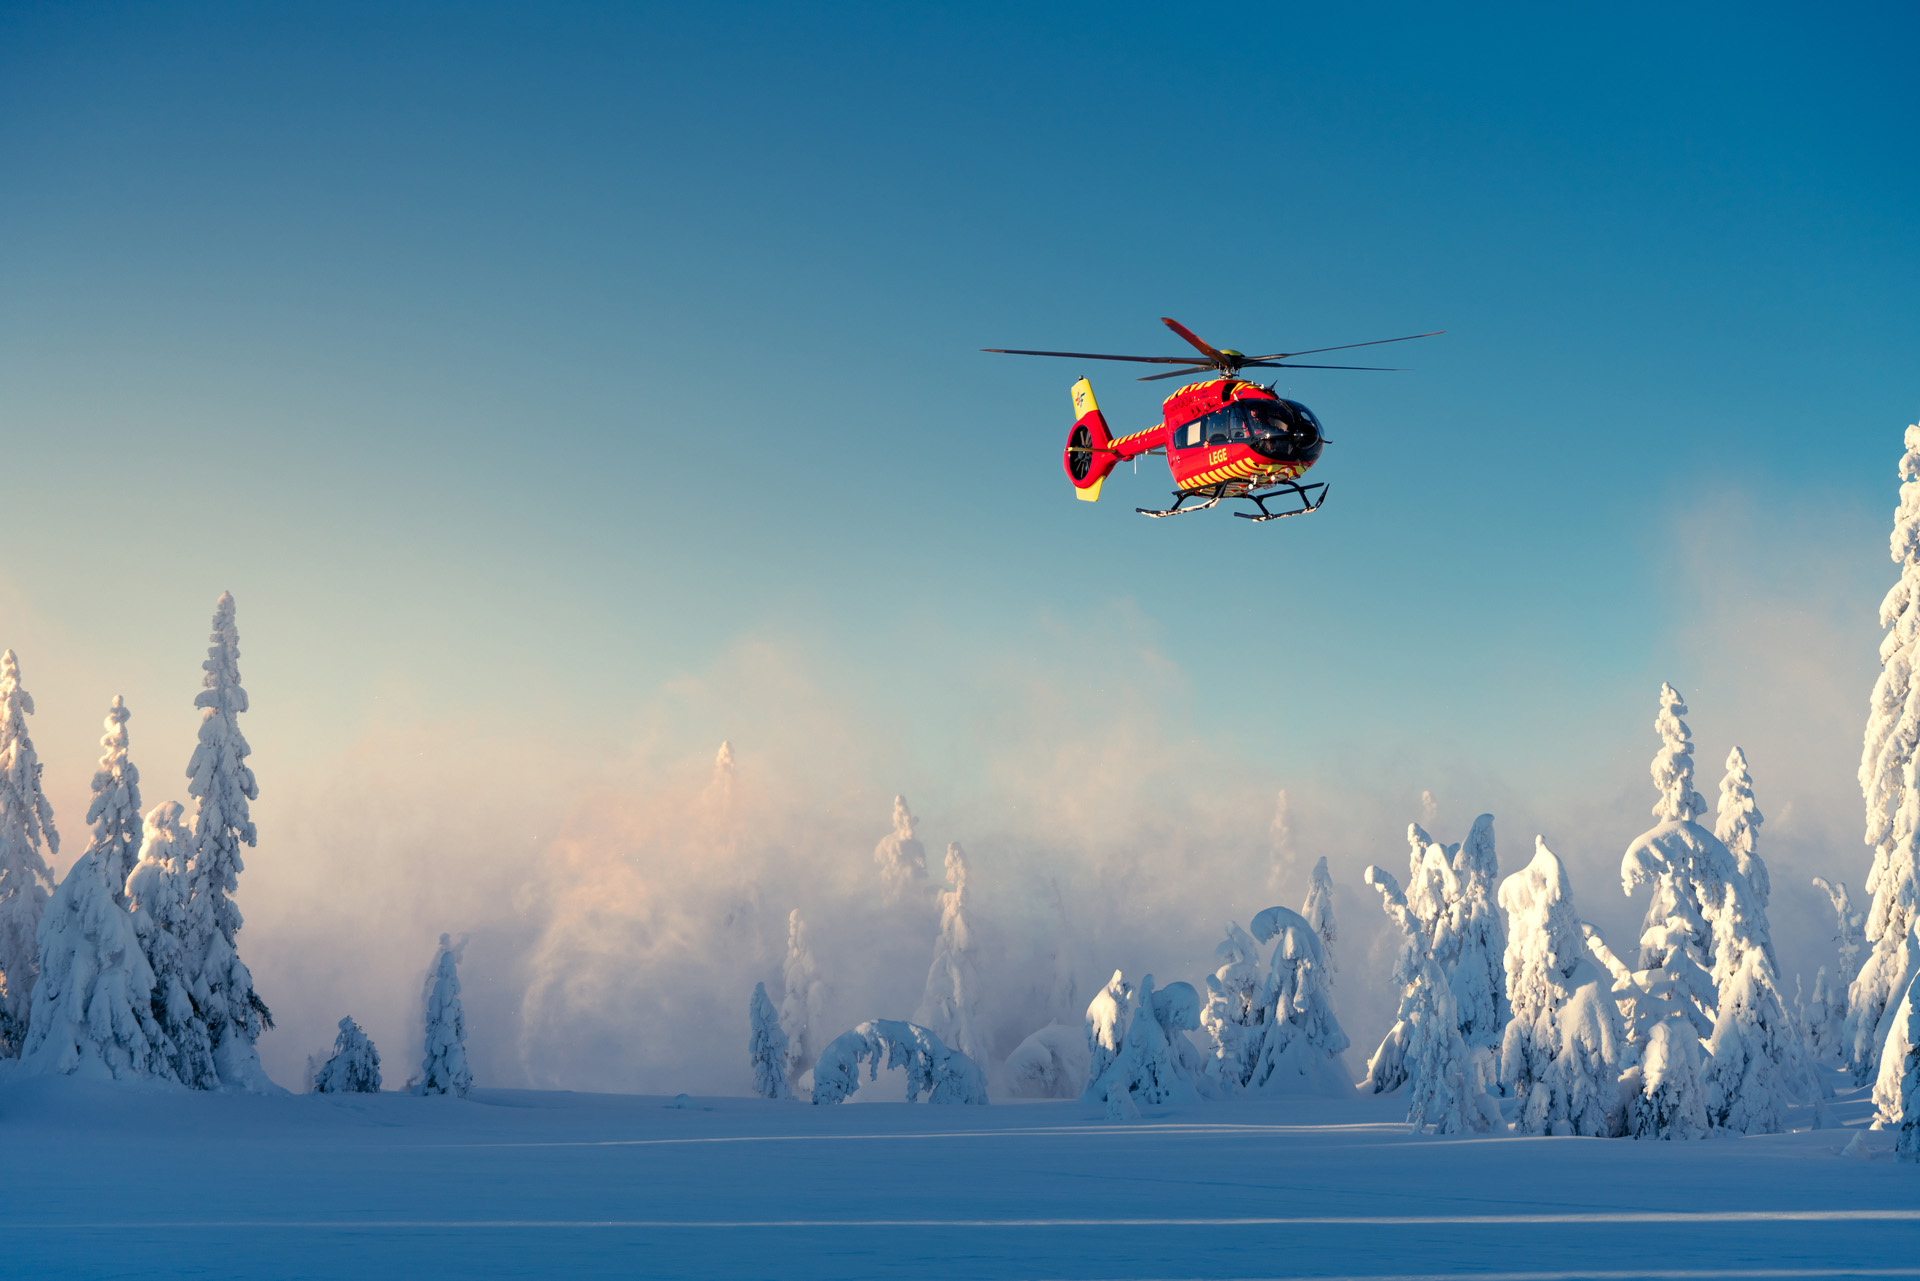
x=114, y=1181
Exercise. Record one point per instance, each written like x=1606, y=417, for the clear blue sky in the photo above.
x=520, y=361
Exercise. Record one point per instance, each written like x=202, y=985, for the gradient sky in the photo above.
x=515, y=366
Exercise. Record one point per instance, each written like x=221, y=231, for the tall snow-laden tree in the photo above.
x=1106, y=1023
x=1446, y=1081
x=950, y=1006
x=1562, y=1050
x=801, y=1001
x=93, y=1009
x=1451, y=895
x=900, y=855
x=1318, y=909
x=1888, y=785
x=26, y=821
x=221, y=784
x=354, y=1067
x=1738, y=826
x=157, y=894
x=766, y=1047
x=114, y=811
x=1888, y=1099
x=443, y=1068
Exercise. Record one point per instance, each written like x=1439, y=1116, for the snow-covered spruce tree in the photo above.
x=1302, y=1045
x=1888, y=785
x=1318, y=909
x=1235, y=1015
x=1738, y=826
x=157, y=894
x=1446, y=1083
x=1826, y=1014
x=1107, y=1017
x=114, y=811
x=443, y=1069
x=1756, y=1065
x=1670, y=1102
x=900, y=855
x=1694, y=874
x=221, y=784
x=1472, y=940
x=354, y=1067
x=801, y=1001
x=1889, y=1099
x=950, y=1006
x=1562, y=1051
x=767, y=1047
x=93, y=1009
x=1157, y=1064
x=26, y=819
x=933, y=1068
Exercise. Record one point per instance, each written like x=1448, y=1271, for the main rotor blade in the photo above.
x=1188, y=334
x=1275, y=364
x=1176, y=373
x=1284, y=355
x=1088, y=355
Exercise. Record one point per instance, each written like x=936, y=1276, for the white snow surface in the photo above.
x=532, y=1183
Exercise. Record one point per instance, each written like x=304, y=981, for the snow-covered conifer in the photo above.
x=157, y=893
x=1106, y=1023
x=767, y=1047
x=933, y=1068
x=1669, y=1102
x=1888, y=785
x=1301, y=1045
x=1318, y=909
x=1738, y=826
x=222, y=784
x=1889, y=1099
x=354, y=1067
x=1050, y=1064
x=801, y=1001
x=1757, y=1064
x=1827, y=1014
x=443, y=1069
x=1446, y=1087
x=26, y=819
x=115, y=809
x=950, y=1006
x=1236, y=1011
x=1157, y=1064
x=1562, y=1050
x=901, y=857
x=93, y=1003
x=1472, y=940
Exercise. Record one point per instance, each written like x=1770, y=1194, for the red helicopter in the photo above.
x=1222, y=438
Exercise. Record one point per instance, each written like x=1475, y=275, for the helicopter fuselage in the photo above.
x=1221, y=431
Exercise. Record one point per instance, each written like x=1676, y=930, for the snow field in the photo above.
x=529, y=1183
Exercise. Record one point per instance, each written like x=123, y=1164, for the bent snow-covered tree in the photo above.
x=933, y=1068
x=222, y=785
x=950, y=1006
x=443, y=1068
x=114, y=812
x=1156, y=1063
x=1447, y=1083
x=1106, y=1023
x=26, y=821
x=1301, y=1044
x=900, y=855
x=353, y=1068
x=1562, y=1050
x=157, y=895
x=1890, y=789
x=93, y=1009
x=766, y=1047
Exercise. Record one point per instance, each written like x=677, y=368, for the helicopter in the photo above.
x=1224, y=437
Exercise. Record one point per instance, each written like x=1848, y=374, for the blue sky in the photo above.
x=517, y=366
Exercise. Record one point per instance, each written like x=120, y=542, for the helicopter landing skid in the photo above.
x=1179, y=508
x=1288, y=490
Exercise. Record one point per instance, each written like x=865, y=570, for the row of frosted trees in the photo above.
x=129, y=967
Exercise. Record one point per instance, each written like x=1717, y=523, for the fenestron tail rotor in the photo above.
x=1224, y=359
